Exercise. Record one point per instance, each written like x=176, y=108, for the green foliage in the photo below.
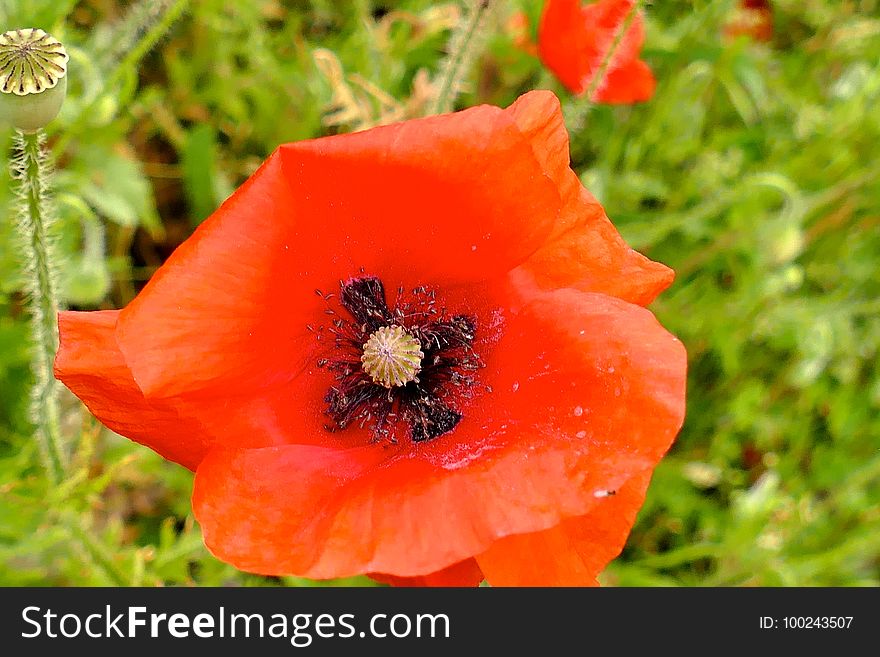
x=752, y=173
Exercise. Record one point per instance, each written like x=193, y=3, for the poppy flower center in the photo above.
x=401, y=370
x=392, y=357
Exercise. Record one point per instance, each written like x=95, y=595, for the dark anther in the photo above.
x=364, y=298
x=428, y=416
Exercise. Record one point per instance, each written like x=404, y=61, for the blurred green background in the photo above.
x=753, y=172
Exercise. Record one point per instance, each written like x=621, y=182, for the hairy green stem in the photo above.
x=153, y=22
x=149, y=21
x=618, y=39
x=577, y=113
x=34, y=228
x=462, y=49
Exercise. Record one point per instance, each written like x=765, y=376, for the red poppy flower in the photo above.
x=475, y=390
x=574, y=41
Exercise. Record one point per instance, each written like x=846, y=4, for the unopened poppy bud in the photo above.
x=33, y=78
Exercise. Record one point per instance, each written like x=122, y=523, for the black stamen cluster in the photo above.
x=426, y=406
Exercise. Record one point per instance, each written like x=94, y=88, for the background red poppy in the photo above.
x=579, y=42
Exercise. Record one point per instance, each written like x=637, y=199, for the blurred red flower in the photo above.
x=518, y=450
x=752, y=18
x=574, y=41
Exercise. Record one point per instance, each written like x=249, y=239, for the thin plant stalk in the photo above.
x=578, y=112
x=463, y=49
x=34, y=220
x=618, y=39
x=146, y=24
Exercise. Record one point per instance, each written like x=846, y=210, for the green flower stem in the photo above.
x=618, y=39
x=154, y=24
x=462, y=51
x=34, y=224
x=577, y=113
x=151, y=21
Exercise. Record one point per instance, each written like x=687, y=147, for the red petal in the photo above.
x=208, y=313
x=463, y=573
x=593, y=257
x=90, y=364
x=631, y=83
x=585, y=251
x=230, y=307
x=565, y=46
x=605, y=19
x=588, y=391
x=181, y=428
x=573, y=552
x=416, y=196
x=589, y=363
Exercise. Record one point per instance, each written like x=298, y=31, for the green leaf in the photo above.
x=205, y=187
x=86, y=281
x=118, y=189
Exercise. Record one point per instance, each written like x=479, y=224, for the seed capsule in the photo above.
x=33, y=78
x=392, y=357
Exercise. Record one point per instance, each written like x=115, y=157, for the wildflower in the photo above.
x=419, y=351
x=583, y=46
